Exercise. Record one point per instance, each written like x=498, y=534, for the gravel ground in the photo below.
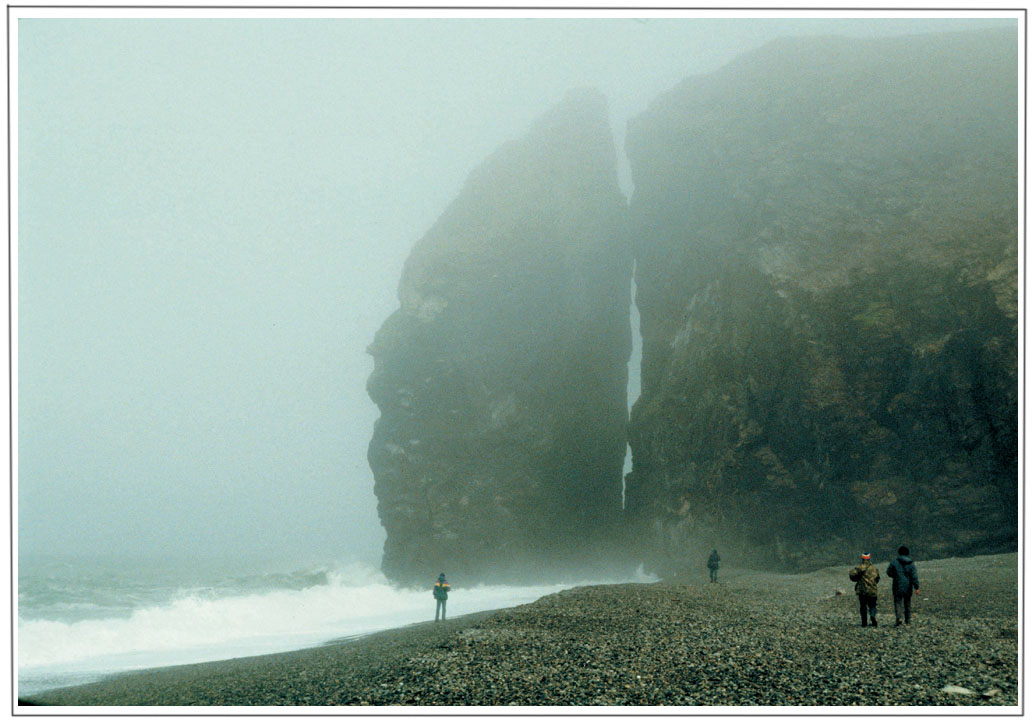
x=751, y=639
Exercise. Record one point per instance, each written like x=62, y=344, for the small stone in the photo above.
x=951, y=689
x=990, y=693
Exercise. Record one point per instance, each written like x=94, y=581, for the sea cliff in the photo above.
x=502, y=377
x=826, y=242
x=825, y=238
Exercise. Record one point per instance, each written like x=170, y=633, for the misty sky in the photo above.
x=213, y=217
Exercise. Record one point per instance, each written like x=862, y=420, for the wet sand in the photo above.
x=756, y=639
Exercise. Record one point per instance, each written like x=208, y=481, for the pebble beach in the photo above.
x=751, y=639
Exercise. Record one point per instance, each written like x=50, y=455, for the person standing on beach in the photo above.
x=441, y=590
x=866, y=577
x=713, y=566
x=903, y=573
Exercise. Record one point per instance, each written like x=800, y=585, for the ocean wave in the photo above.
x=218, y=622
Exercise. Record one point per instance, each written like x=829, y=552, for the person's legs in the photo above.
x=443, y=610
x=872, y=606
x=438, y=607
x=897, y=604
x=906, y=607
x=863, y=610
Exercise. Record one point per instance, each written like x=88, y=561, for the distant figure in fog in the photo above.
x=441, y=590
x=903, y=573
x=713, y=566
x=866, y=577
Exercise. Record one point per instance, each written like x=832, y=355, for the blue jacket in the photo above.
x=440, y=589
x=903, y=573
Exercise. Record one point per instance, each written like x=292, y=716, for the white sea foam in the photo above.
x=197, y=626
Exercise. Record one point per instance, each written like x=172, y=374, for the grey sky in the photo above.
x=213, y=217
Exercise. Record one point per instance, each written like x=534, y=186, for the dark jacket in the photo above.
x=714, y=560
x=441, y=589
x=903, y=573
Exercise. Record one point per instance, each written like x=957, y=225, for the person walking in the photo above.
x=713, y=566
x=866, y=577
x=440, y=590
x=903, y=573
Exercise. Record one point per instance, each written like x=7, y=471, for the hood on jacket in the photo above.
x=904, y=559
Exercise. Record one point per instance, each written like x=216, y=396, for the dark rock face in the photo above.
x=825, y=235
x=826, y=243
x=501, y=379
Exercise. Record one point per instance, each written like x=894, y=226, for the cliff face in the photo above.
x=826, y=243
x=501, y=379
x=825, y=235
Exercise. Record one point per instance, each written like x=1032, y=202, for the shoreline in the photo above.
x=753, y=639
x=387, y=638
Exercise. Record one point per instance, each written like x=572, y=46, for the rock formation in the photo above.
x=825, y=234
x=502, y=377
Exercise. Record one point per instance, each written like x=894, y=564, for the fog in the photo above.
x=213, y=216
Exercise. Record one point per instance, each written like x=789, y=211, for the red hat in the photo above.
x=866, y=556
